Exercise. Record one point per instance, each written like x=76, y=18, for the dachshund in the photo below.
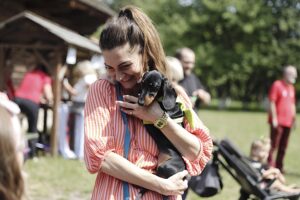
x=154, y=86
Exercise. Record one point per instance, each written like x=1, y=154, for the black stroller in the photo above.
x=239, y=167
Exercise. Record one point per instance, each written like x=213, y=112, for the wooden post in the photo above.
x=2, y=66
x=56, y=102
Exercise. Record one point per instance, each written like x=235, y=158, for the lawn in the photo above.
x=58, y=179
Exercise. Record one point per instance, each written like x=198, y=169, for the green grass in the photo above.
x=58, y=179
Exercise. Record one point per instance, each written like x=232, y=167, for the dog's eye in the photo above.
x=151, y=94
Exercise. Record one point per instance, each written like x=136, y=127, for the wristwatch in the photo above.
x=162, y=121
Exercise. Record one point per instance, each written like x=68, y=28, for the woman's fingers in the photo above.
x=182, y=174
x=127, y=105
x=131, y=99
x=147, y=113
x=179, y=183
x=128, y=112
x=130, y=102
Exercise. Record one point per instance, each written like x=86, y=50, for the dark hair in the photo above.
x=135, y=27
x=43, y=68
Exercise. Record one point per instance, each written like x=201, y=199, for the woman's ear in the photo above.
x=169, y=95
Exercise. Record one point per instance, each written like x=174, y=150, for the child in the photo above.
x=11, y=179
x=259, y=155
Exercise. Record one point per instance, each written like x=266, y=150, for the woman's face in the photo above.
x=124, y=64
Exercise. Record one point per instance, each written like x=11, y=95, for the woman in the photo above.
x=84, y=75
x=63, y=111
x=131, y=46
x=35, y=85
x=11, y=180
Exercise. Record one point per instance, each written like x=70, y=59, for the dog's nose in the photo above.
x=141, y=101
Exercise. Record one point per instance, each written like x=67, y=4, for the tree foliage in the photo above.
x=240, y=46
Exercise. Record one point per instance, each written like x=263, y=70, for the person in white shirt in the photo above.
x=64, y=111
x=85, y=75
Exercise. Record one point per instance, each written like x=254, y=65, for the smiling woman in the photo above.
x=123, y=64
x=126, y=160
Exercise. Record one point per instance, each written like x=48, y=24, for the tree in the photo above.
x=240, y=45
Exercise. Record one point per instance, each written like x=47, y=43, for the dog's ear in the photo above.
x=143, y=76
x=169, y=95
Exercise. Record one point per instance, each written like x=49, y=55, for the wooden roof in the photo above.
x=82, y=16
x=28, y=28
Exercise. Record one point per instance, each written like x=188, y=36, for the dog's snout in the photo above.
x=141, y=101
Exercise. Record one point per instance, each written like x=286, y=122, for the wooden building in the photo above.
x=81, y=16
x=27, y=38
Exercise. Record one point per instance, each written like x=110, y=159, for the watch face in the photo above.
x=159, y=124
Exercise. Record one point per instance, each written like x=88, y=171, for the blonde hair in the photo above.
x=133, y=26
x=176, y=70
x=259, y=145
x=82, y=69
x=11, y=179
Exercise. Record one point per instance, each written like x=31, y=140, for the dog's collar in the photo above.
x=177, y=120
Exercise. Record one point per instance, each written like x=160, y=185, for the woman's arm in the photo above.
x=100, y=147
x=186, y=143
x=48, y=93
x=69, y=87
x=119, y=167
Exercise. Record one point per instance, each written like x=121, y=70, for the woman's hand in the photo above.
x=147, y=113
x=175, y=185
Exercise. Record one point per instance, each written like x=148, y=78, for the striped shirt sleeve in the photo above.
x=98, y=135
x=196, y=166
x=198, y=129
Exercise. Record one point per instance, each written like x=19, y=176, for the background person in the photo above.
x=191, y=82
x=63, y=112
x=175, y=68
x=130, y=45
x=35, y=85
x=84, y=76
x=258, y=155
x=11, y=179
x=282, y=114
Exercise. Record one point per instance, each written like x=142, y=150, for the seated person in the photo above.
x=258, y=156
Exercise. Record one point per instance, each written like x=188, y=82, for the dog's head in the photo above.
x=153, y=86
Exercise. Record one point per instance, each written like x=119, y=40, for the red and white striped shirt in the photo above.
x=104, y=131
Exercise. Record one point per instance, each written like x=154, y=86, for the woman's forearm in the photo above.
x=120, y=168
x=185, y=142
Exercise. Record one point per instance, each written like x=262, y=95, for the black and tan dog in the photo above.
x=154, y=86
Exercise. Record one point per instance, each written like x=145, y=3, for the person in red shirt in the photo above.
x=35, y=85
x=282, y=114
x=9, y=90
